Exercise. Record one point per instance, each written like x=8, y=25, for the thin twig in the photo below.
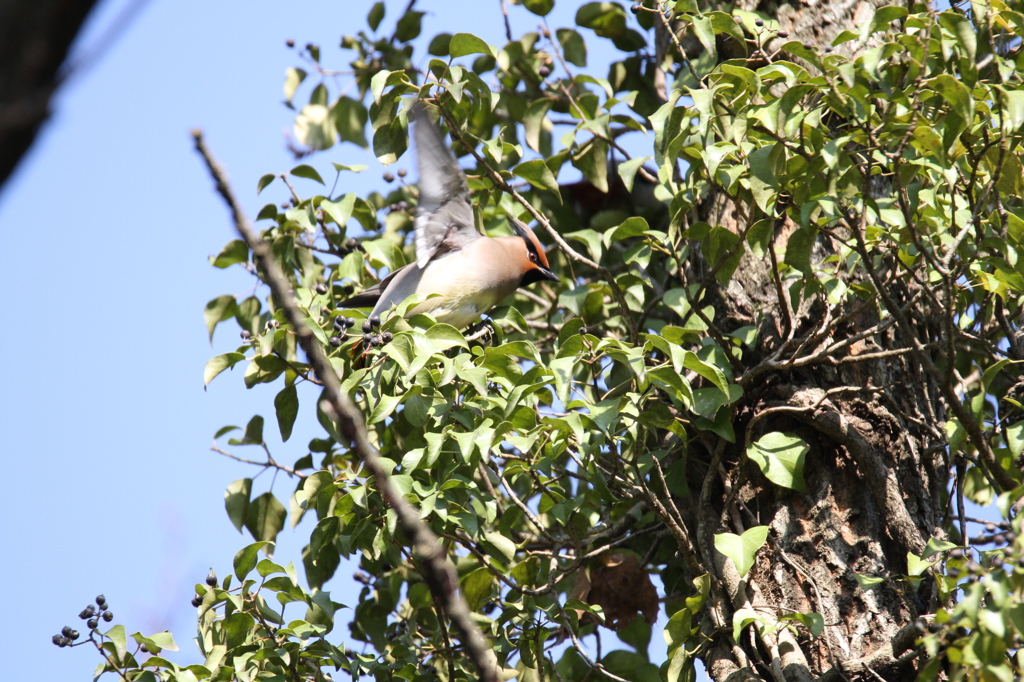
x=438, y=572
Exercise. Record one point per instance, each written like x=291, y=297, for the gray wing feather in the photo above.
x=444, y=217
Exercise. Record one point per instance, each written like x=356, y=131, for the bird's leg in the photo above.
x=481, y=329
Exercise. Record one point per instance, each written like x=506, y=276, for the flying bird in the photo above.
x=470, y=272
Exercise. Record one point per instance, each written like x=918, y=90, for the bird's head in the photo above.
x=535, y=266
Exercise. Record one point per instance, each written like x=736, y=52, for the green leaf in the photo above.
x=814, y=622
x=265, y=518
x=606, y=19
x=916, y=565
x=574, y=48
x=866, y=582
x=467, y=43
x=292, y=80
x=780, y=456
x=539, y=7
x=631, y=227
x=593, y=163
x=409, y=26
x=537, y=173
x=350, y=117
x=445, y=336
x=502, y=546
x=264, y=181
x=236, y=501
x=705, y=33
x=119, y=638
x=218, y=364
x=219, y=309
x=936, y=546
x=307, y=172
x=440, y=44
x=1015, y=438
x=628, y=170
x=287, y=405
x=340, y=211
x=742, y=548
x=245, y=559
x=956, y=94
x=477, y=588
x=375, y=16
x=882, y=18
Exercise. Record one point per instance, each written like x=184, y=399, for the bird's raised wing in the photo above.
x=444, y=217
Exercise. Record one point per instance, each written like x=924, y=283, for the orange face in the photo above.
x=539, y=268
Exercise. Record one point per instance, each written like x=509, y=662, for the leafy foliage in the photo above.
x=875, y=181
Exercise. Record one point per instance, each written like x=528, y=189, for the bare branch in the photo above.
x=438, y=572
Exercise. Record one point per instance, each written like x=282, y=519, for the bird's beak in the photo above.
x=547, y=274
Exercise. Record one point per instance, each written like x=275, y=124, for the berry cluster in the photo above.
x=90, y=613
x=371, y=337
x=341, y=325
x=211, y=580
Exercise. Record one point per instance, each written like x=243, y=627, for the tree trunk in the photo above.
x=876, y=473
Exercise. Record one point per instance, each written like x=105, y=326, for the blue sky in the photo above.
x=107, y=226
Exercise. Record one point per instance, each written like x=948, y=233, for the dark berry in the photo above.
x=368, y=339
x=211, y=579
x=310, y=46
x=66, y=631
x=828, y=49
x=996, y=561
x=999, y=539
x=952, y=571
x=352, y=243
x=107, y=616
x=934, y=627
x=990, y=527
x=197, y=601
x=321, y=288
x=57, y=639
x=339, y=323
x=367, y=327
x=73, y=635
x=387, y=337
x=388, y=177
x=759, y=22
x=375, y=321
x=402, y=172
x=544, y=71
x=143, y=649
x=349, y=322
x=738, y=20
x=782, y=34
x=375, y=341
x=583, y=330
x=1010, y=536
x=361, y=577
x=335, y=341
x=246, y=335
x=88, y=612
x=290, y=42
x=93, y=622
x=64, y=641
x=1020, y=561
x=101, y=601
x=635, y=8
x=808, y=46
x=973, y=567
x=957, y=553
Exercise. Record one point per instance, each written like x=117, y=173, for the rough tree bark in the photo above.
x=34, y=40
x=876, y=474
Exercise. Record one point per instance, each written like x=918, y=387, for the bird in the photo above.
x=470, y=272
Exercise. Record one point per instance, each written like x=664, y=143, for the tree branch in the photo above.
x=438, y=572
